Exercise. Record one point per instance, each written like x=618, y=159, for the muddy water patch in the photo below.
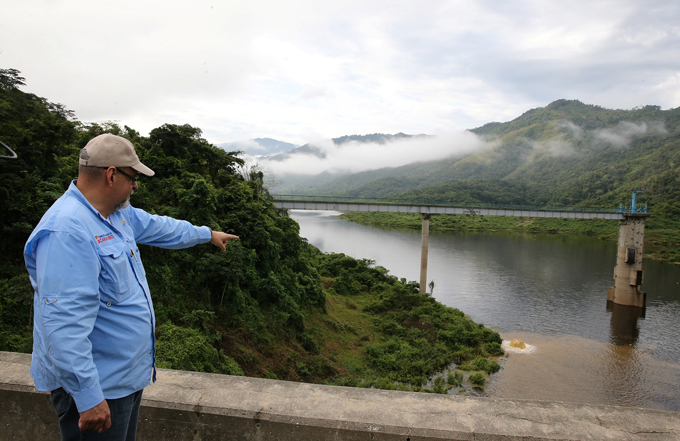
x=577, y=369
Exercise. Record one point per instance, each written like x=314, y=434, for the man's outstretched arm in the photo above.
x=174, y=234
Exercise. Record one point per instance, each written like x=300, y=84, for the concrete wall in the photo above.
x=194, y=406
x=627, y=274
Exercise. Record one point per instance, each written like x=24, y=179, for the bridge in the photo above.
x=628, y=270
x=375, y=205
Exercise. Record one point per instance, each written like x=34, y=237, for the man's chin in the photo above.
x=124, y=205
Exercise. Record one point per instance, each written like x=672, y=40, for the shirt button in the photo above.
x=150, y=352
x=108, y=304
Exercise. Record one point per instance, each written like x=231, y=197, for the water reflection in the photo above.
x=624, y=323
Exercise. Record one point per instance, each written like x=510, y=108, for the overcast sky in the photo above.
x=308, y=69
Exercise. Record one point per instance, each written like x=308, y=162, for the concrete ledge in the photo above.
x=194, y=406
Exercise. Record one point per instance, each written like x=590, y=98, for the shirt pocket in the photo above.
x=137, y=262
x=114, y=279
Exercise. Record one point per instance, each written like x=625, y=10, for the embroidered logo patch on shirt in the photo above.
x=104, y=237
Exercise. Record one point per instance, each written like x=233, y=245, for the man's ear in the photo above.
x=109, y=176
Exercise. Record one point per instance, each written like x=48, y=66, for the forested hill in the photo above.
x=565, y=154
x=570, y=153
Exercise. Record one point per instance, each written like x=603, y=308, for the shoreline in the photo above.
x=512, y=225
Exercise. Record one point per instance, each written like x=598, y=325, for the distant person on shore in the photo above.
x=93, y=328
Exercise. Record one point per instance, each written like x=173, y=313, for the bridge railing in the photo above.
x=626, y=208
x=434, y=203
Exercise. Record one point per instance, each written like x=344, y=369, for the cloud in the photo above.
x=622, y=134
x=574, y=130
x=562, y=144
x=354, y=157
x=246, y=145
x=555, y=147
x=304, y=69
x=565, y=142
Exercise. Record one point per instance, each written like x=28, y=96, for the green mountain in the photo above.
x=565, y=154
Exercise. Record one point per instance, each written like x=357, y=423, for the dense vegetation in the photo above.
x=563, y=155
x=405, y=334
x=271, y=306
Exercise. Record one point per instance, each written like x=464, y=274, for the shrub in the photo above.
x=187, y=349
x=462, y=355
x=384, y=383
x=493, y=367
x=483, y=364
x=490, y=336
x=440, y=389
x=477, y=379
x=302, y=370
x=391, y=327
x=467, y=367
x=495, y=349
x=349, y=381
x=309, y=342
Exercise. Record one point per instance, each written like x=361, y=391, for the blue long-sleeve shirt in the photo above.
x=93, y=328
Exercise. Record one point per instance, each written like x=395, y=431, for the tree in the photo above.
x=251, y=170
x=41, y=133
x=10, y=79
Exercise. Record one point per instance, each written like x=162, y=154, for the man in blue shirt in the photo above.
x=93, y=330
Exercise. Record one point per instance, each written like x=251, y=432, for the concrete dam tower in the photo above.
x=628, y=270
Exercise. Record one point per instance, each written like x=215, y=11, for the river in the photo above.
x=549, y=291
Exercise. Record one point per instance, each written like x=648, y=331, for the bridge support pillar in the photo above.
x=423, y=252
x=628, y=270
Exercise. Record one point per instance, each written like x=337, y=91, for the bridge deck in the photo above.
x=576, y=213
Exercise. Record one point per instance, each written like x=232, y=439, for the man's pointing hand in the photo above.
x=220, y=239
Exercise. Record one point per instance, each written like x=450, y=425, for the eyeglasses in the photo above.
x=133, y=179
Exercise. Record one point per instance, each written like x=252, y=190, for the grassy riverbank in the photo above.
x=662, y=243
x=599, y=228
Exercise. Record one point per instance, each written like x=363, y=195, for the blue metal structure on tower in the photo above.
x=633, y=208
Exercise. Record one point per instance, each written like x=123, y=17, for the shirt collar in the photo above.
x=74, y=192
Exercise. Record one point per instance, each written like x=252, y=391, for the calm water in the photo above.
x=549, y=291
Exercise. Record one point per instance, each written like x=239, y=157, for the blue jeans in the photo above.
x=124, y=416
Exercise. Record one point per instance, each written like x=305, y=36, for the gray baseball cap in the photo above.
x=110, y=150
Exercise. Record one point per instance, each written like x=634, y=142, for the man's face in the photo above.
x=126, y=185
